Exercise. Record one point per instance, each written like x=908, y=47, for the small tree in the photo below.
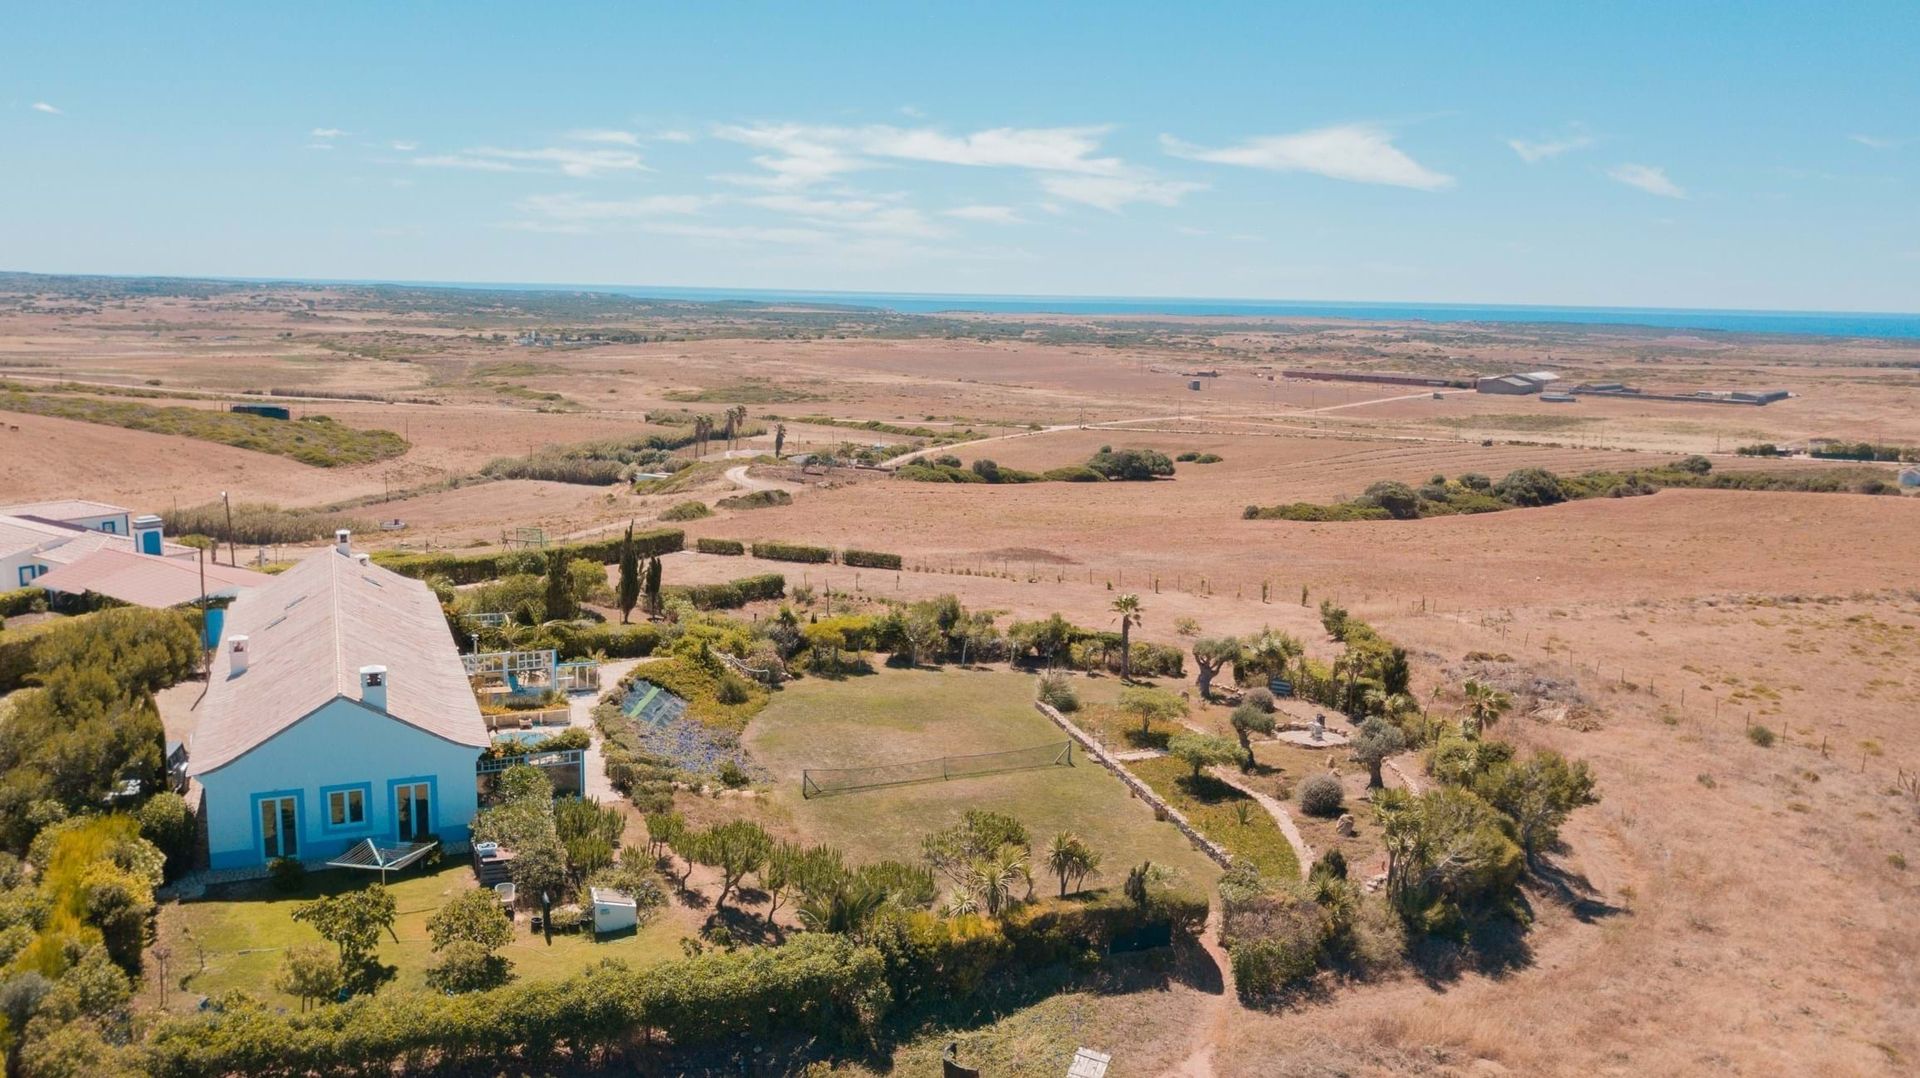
x=1129, y=608
x=352, y=921
x=1200, y=751
x=652, y=587
x=779, y=439
x=737, y=848
x=1071, y=860
x=1151, y=705
x=1211, y=654
x=1398, y=499
x=1249, y=719
x=1377, y=740
x=1538, y=795
x=559, y=599
x=309, y=972
x=628, y=595
x=467, y=932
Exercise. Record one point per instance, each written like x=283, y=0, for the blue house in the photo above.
x=337, y=712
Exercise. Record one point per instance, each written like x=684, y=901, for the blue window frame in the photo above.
x=347, y=808
x=111, y=527
x=412, y=801
x=27, y=573
x=276, y=824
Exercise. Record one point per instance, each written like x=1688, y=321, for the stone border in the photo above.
x=1214, y=851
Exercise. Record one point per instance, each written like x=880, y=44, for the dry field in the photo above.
x=1728, y=908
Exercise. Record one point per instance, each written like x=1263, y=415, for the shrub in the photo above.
x=1072, y=473
x=733, y=594
x=287, y=874
x=1313, y=513
x=583, y=640
x=1529, y=487
x=759, y=499
x=1056, y=691
x=1476, y=481
x=165, y=822
x=689, y=510
x=727, y=547
x=1131, y=464
x=774, y=550
x=1322, y=795
x=1398, y=499
x=869, y=559
x=22, y=601
x=1760, y=735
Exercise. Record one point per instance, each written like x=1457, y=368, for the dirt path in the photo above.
x=916, y=454
x=738, y=477
x=580, y=713
x=1301, y=850
x=1210, y=1028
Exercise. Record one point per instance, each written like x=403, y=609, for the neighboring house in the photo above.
x=93, y=516
x=1515, y=384
x=338, y=711
x=32, y=546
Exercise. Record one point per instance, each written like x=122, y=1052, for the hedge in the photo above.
x=474, y=568
x=869, y=559
x=774, y=550
x=22, y=601
x=819, y=984
x=575, y=641
x=731, y=547
x=733, y=594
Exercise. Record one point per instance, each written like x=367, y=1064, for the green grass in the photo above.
x=241, y=932
x=314, y=440
x=904, y=715
x=1209, y=804
x=1521, y=421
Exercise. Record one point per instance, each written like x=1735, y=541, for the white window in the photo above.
x=346, y=808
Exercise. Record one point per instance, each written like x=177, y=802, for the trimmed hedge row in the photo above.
x=579, y=641
x=474, y=568
x=818, y=984
x=869, y=559
x=730, y=547
x=733, y=594
x=774, y=550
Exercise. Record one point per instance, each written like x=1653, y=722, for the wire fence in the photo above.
x=820, y=782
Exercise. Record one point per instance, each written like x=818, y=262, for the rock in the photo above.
x=1374, y=883
x=1344, y=826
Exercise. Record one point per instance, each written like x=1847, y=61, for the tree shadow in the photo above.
x=1575, y=892
x=1492, y=946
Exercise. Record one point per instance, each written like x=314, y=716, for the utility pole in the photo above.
x=232, y=558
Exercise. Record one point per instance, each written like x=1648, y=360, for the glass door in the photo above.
x=279, y=828
x=412, y=814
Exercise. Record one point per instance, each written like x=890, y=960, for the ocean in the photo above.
x=1795, y=323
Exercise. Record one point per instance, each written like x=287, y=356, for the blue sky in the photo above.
x=1728, y=155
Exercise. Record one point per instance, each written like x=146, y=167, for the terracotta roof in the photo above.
x=145, y=580
x=65, y=509
x=309, y=633
x=86, y=542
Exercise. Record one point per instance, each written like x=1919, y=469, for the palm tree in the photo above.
x=843, y=909
x=1272, y=653
x=1485, y=704
x=736, y=423
x=1129, y=608
x=990, y=880
x=1071, y=860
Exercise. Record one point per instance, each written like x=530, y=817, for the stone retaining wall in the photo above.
x=1092, y=748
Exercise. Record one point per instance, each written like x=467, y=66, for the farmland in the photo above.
x=1727, y=905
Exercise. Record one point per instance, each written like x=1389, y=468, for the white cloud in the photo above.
x=403, y=146
x=995, y=215
x=619, y=138
x=1871, y=142
x=319, y=145
x=326, y=132
x=42, y=106
x=568, y=207
x=1533, y=152
x=673, y=136
x=743, y=233
x=565, y=160
x=803, y=154
x=1649, y=178
x=1111, y=193
x=1360, y=153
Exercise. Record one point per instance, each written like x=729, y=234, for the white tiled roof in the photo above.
x=65, y=509
x=309, y=633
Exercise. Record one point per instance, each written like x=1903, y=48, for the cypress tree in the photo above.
x=559, y=587
x=629, y=576
x=653, y=585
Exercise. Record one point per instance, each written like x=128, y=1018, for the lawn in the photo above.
x=234, y=938
x=907, y=715
x=1215, y=808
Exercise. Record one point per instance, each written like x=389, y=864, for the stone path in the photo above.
x=581, y=707
x=1301, y=851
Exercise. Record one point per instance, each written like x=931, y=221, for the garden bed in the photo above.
x=1219, y=810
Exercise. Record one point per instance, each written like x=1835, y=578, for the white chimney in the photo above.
x=147, y=535
x=363, y=558
x=236, y=656
x=343, y=541
x=373, y=687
